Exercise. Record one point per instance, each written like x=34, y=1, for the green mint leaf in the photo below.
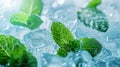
x=91, y=45
x=28, y=15
x=61, y=34
x=93, y=18
x=8, y=44
x=94, y=3
x=21, y=19
x=31, y=6
x=62, y=52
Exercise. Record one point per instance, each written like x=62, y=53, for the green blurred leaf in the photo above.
x=91, y=45
x=28, y=15
x=31, y=6
x=61, y=34
x=93, y=18
x=21, y=19
x=12, y=51
x=94, y=3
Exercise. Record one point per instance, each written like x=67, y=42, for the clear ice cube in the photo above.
x=114, y=62
x=55, y=61
x=81, y=58
x=40, y=41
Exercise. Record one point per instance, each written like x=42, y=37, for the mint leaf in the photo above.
x=91, y=45
x=93, y=18
x=7, y=46
x=20, y=19
x=94, y=3
x=31, y=6
x=28, y=15
x=61, y=34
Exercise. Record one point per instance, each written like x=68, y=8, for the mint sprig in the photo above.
x=92, y=17
x=63, y=37
x=28, y=15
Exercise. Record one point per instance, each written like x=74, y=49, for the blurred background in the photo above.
x=43, y=47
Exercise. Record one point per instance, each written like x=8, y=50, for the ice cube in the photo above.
x=104, y=54
x=40, y=41
x=113, y=32
x=114, y=62
x=100, y=64
x=114, y=48
x=55, y=61
x=81, y=58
